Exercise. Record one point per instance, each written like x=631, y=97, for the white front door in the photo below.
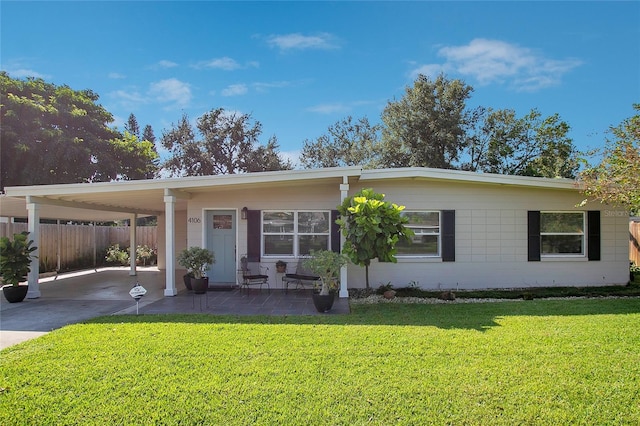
x=221, y=239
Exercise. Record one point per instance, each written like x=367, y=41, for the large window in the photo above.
x=426, y=241
x=294, y=233
x=562, y=233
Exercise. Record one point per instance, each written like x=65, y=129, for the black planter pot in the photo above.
x=15, y=294
x=200, y=285
x=187, y=281
x=323, y=303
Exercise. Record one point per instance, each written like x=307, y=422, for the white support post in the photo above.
x=33, y=212
x=170, y=244
x=133, y=244
x=344, y=193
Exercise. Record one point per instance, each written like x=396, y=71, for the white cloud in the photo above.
x=116, y=75
x=330, y=108
x=235, y=90
x=171, y=91
x=166, y=64
x=299, y=41
x=265, y=87
x=225, y=63
x=129, y=98
x=495, y=61
x=24, y=73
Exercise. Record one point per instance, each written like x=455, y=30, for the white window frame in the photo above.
x=295, y=234
x=438, y=235
x=583, y=234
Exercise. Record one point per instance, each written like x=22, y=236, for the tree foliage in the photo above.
x=431, y=126
x=616, y=179
x=133, y=159
x=372, y=227
x=267, y=158
x=54, y=134
x=426, y=127
x=132, y=126
x=529, y=146
x=227, y=143
x=148, y=135
x=348, y=142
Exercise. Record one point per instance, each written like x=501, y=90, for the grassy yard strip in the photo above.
x=534, y=362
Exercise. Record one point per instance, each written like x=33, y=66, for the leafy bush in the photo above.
x=145, y=254
x=117, y=255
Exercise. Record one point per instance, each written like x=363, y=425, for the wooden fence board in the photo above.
x=64, y=247
x=634, y=242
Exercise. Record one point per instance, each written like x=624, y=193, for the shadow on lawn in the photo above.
x=472, y=316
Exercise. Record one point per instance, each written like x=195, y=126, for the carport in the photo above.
x=98, y=202
x=168, y=199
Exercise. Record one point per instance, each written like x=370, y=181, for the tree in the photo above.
x=372, y=227
x=347, y=143
x=502, y=143
x=54, y=134
x=616, y=179
x=267, y=159
x=426, y=127
x=131, y=126
x=130, y=158
x=148, y=135
x=228, y=145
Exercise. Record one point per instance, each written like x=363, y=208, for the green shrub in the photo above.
x=145, y=254
x=117, y=255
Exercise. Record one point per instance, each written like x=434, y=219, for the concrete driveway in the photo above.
x=76, y=297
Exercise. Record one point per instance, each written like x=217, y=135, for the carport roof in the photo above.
x=105, y=201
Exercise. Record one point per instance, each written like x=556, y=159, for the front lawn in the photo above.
x=542, y=362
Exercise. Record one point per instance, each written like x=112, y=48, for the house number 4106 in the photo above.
x=194, y=220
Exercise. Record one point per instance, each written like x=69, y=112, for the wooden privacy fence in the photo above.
x=64, y=247
x=634, y=242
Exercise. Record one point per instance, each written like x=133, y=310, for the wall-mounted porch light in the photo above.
x=243, y=213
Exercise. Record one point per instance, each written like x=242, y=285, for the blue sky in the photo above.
x=299, y=67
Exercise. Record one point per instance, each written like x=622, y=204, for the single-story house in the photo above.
x=472, y=230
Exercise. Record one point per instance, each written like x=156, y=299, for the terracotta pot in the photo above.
x=389, y=294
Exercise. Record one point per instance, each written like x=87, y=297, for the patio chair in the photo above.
x=252, y=273
x=300, y=278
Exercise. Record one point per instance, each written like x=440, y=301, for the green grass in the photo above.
x=541, y=362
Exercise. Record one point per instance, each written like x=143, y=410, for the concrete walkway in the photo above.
x=77, y=297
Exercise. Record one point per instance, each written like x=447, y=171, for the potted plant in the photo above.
x=197, y=261
x=281, y=266
x=326, y=264
x=15, y=264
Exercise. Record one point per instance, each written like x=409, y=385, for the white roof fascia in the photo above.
x=184, y=183
x=471, y=177
x=89, y=206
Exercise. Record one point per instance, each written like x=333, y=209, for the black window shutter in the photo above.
x=533, y=232
x=448, y=235
x=253, y=236
x=593, y=234
x=335, y=232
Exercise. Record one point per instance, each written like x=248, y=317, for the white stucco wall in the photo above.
x=491, y=233
x=491, y=240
